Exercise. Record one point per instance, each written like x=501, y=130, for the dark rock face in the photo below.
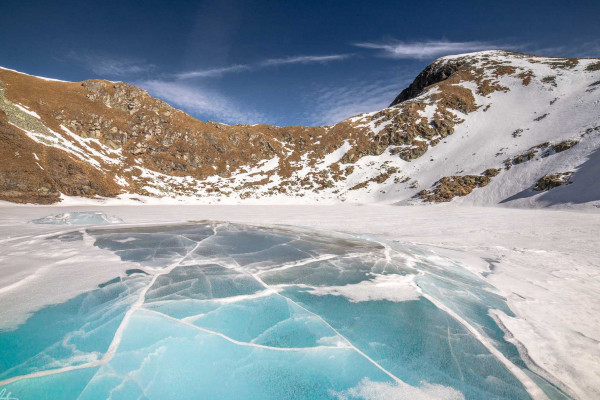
x=32, y=173
x=554, y=180
x=431, y=75
x=520, y=159
x=564, y=145
x=491, y=172
x=451, y=186
x=593, y=67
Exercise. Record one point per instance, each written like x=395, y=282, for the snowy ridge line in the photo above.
x=35, y=76
x=239, y=342
x=563, y=99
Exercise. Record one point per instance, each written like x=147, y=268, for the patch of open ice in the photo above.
x=79, y=218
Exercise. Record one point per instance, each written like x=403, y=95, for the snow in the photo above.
x=39, y=77
x=543, y=262
x=120, y=181
x=368, y=390
x=336, y=155
x=84, y=143
x=51, y=138
x=25, y=110
x=384, y=287
x=484, y=140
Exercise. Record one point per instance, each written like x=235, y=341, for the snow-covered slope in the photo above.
x=558, y=103
x=484, y=128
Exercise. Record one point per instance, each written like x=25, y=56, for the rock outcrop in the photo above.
x=553, y=180
x=99, y=138
x=450, y=187
x=431, y=75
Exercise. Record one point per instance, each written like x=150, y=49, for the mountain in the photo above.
x=484, y=128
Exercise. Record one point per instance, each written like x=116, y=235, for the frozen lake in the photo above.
x=228, y=311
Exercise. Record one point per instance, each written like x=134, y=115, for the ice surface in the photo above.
x=220, y=310
x=76, y=332
x=79, y=218
x=163, y=358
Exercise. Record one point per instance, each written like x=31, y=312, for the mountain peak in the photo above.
x=461, y=116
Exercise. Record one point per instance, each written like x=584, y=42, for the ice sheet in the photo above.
x=78, y=218
x=275, y=312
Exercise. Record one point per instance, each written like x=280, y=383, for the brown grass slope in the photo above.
x=122, y=122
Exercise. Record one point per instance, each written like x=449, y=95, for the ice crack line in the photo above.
x=299, y=263
x=375, y=363
x=533, y=389
x=527, y=382
x=110, y=353
x=211, y=332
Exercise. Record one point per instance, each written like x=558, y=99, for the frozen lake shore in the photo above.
x=543, y=262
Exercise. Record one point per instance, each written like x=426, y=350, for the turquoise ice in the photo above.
x=78, y=218
x=226, y=311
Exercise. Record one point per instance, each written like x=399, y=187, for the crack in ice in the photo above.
x=181, y=242
x=118, y=333
x=240, y=343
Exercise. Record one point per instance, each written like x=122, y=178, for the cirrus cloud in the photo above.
x=213, y=72
x=110, y=66
x=200, y=101
x=271, y=62
x=424, y=49
x=304, y=60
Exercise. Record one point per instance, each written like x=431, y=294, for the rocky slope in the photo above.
x=482, y=128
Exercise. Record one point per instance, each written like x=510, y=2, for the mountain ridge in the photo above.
x=108, y=139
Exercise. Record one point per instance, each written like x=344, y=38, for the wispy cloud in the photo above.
x=424, y=49
x=213, y=72
x=333, y=104
x=200, y=101
x=271, y=62
x=304, y=60
x=106, y=65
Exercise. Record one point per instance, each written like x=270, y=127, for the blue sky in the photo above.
x=279, y=62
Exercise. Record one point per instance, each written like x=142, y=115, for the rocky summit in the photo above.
x=480, y=128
